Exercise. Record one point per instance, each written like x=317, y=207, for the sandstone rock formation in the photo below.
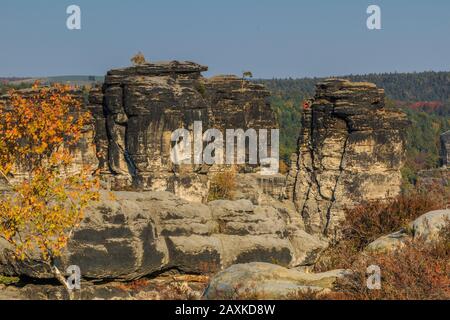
x=351, y=148
x=267, y=281
x=132, y=235
x=139, y=107
x=445, y=149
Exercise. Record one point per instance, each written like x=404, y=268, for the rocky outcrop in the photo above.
x=267, y=281
x=445, y=149
x=351, y=148
x=426, y=228
x=130, y=235
x=139, y=107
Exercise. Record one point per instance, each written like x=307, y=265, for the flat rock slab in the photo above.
x=427, y=228
x=267, y=281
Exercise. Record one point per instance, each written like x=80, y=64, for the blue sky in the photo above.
x=272, y=38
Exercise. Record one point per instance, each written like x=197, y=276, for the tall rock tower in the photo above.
x=139, y=107
x=350, y=149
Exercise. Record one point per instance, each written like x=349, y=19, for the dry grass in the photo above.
x=371, y=220
x=284, y=168
x=222, y=185
x=418, y=270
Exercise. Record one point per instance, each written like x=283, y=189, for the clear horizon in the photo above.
x=273, y=39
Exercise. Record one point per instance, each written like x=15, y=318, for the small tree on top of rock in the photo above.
x=39, y=215
x=247, y=75
x=138, y=59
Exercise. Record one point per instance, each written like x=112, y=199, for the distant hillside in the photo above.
x=21, y=83
x=70, y=79
x=75, y=80
x=423, y=86
x=5, y=80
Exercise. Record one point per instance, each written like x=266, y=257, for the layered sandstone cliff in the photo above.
x=350, y=149
x=139, y=107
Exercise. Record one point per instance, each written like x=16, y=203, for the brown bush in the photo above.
x=284, y=168
x=417, y=271
x=371, y=220
x=222, y=185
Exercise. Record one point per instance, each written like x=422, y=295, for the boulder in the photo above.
x=267, y=281
x=426, y=228
x=389, y=242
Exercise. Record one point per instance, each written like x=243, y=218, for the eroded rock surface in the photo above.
x=351, y=148
x=138, y=108
x=132, y=235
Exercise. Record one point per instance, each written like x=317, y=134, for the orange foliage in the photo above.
x=36, y=128
x=36, y=132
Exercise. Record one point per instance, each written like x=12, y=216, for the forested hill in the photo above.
x=425, y=97
x=423, y=86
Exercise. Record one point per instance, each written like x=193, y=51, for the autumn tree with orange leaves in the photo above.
x=39, y=215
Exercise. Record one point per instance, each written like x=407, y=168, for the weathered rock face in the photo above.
x=351, y=148
x=445, y=149
x=139, y=108
x=140, y=234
